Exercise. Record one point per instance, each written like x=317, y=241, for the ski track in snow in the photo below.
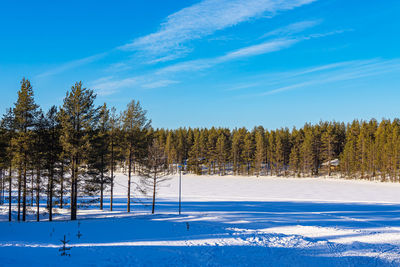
x=241, y=221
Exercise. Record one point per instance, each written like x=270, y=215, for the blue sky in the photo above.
x=228, y=63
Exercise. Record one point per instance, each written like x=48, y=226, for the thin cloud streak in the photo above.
x=249, y=51
x=195, y=22
x=292, y=28
x=332, y=73
x=71, y=65
x=203, y=19
x=202, y=64
x=159, y=84
x=108, y=86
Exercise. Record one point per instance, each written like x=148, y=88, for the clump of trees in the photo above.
x=67, y=152
x=74, y=150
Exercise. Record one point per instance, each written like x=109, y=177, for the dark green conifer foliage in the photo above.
x=259, y=151
x=40, y=139
x=114, y=148
x=248, y=152
x=98, y=158
x=78, y=117
x=222, y=151
x=8, y=128
x=170, y=151
x=195, y=155
x=328, y=139
x=295, y=154
x=25, y=113
x=52, y=153
x=135, y=127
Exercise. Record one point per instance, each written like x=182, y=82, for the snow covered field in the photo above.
x=226, y=221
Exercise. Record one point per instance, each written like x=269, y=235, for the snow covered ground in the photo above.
x=226, y=221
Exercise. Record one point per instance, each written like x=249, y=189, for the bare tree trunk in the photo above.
x=9, y=193
x=19, y=192
x=112, y=176
x=73, y=178
x=38, y=194
x=51, y=193
x=102, y=182
x=62, y=185
x=32, y=187
x=2, y=186
x=75, y=189
x=129, y=179
x=24, y=192
x=154, y=192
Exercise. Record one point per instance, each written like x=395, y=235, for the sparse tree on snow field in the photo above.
x=135, y=128
x=154, y=170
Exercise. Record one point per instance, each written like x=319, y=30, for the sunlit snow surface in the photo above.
x=225, y=221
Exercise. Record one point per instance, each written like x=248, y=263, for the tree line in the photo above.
x=76, y=149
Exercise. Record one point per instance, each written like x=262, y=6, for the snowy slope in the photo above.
x=226, y=221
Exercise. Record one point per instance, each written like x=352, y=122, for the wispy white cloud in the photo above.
x=118, y=67
x=203, y=19
x=201, y=64
x=159, y=84
x=241, y=86
x=195, y=22
x=259, y=49
x=158, y=78
x=71, y=65
x=245, y=52
x=109, y=85
x=328, y=74
x=292, y=28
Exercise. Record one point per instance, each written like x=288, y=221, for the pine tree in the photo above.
x=307, y=150
x=40, y=139
x=135, y=127
x=295, y=154
x=8, y=126
x=279, y=152
x=212, y=150
x=170, y=150
x=52, y=152
x=195, y=160
x=114, y=135
x=350, y=159
x=25, y=112
x=6, y=152
x=260, y=151
x=222, y=152
x=78, y=116
x=328, y=140
x=181, y=146
x=237, y=148
x=248, y=151
x=98, y=159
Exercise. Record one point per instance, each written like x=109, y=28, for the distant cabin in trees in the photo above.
x=333, y=165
